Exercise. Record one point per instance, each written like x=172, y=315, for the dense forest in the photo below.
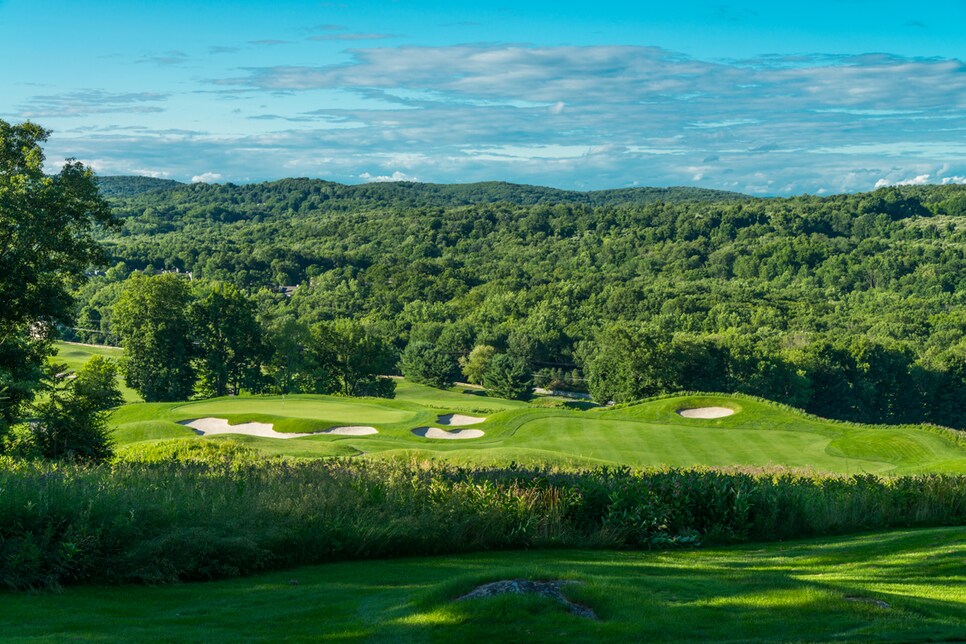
x=851, y=306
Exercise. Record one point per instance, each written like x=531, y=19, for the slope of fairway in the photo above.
x=650, y=444
x=76, y=355
x=458, y=398
x=901, y=586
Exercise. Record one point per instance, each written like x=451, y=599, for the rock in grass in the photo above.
x=878, y=603
x=549, y=589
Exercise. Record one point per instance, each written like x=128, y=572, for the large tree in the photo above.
x=425, y=363
x=46, y=245
x=151, y=316
x=508, y=376
x=230, y=344
x=349, y=359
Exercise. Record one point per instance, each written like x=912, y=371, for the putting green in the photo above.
x=323, y=408
x=646, y=444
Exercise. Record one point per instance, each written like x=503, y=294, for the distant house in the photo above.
x=287, y=291
x=177, y=271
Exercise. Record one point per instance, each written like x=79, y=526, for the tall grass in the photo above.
x=192, y=513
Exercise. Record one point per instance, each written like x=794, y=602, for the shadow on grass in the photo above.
x=810, y=591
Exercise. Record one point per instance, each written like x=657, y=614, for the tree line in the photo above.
x=851, y=306
x=184, y=339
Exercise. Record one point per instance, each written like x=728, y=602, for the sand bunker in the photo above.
x=351, y=431
x=457, y=434
x=215, y=426
x=458, y=420
x=706, y=412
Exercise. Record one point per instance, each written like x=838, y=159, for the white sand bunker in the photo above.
x=215, y=426
x=351, y=431
x=706, y=412
x=457, y=434
x=458, y=420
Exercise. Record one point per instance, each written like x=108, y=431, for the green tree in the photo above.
x=427, y=364
x=290, y=365
x=46, y=244
x=627, y=363
x=230, y=348
x=151, y=317
x=71, y=423
x=508, y=376
x=474, y=365
x=349, y=360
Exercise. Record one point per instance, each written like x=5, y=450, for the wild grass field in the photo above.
x=898, y=586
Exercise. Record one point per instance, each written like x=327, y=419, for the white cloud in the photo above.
x=949, y=180
x=395, y=176
x=206, y=177
x=154, y=174
x=557, y=108
x=919, y=180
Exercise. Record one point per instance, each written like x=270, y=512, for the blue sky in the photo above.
x=822, y=97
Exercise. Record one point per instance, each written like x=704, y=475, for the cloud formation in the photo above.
x=382, y=178
x=92, y=101
x=352, y=36
x=592, y=117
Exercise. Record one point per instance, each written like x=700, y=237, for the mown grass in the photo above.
x=805, y=591
x=546, y=431
x=649, y=434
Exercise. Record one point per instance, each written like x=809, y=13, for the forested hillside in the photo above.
x=131, y=185
x=852, y=306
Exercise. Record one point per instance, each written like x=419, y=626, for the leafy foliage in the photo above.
x=349, y=359
x=427, y=364
x=229, y=341
x=152, y=319
x=46, y=244
x=508, y=376
x=71, y=422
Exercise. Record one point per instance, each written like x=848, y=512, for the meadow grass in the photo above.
x=803, y=591
x=199, y=510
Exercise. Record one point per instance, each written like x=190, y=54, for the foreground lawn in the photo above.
x=898, y=586
x=758, y=434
